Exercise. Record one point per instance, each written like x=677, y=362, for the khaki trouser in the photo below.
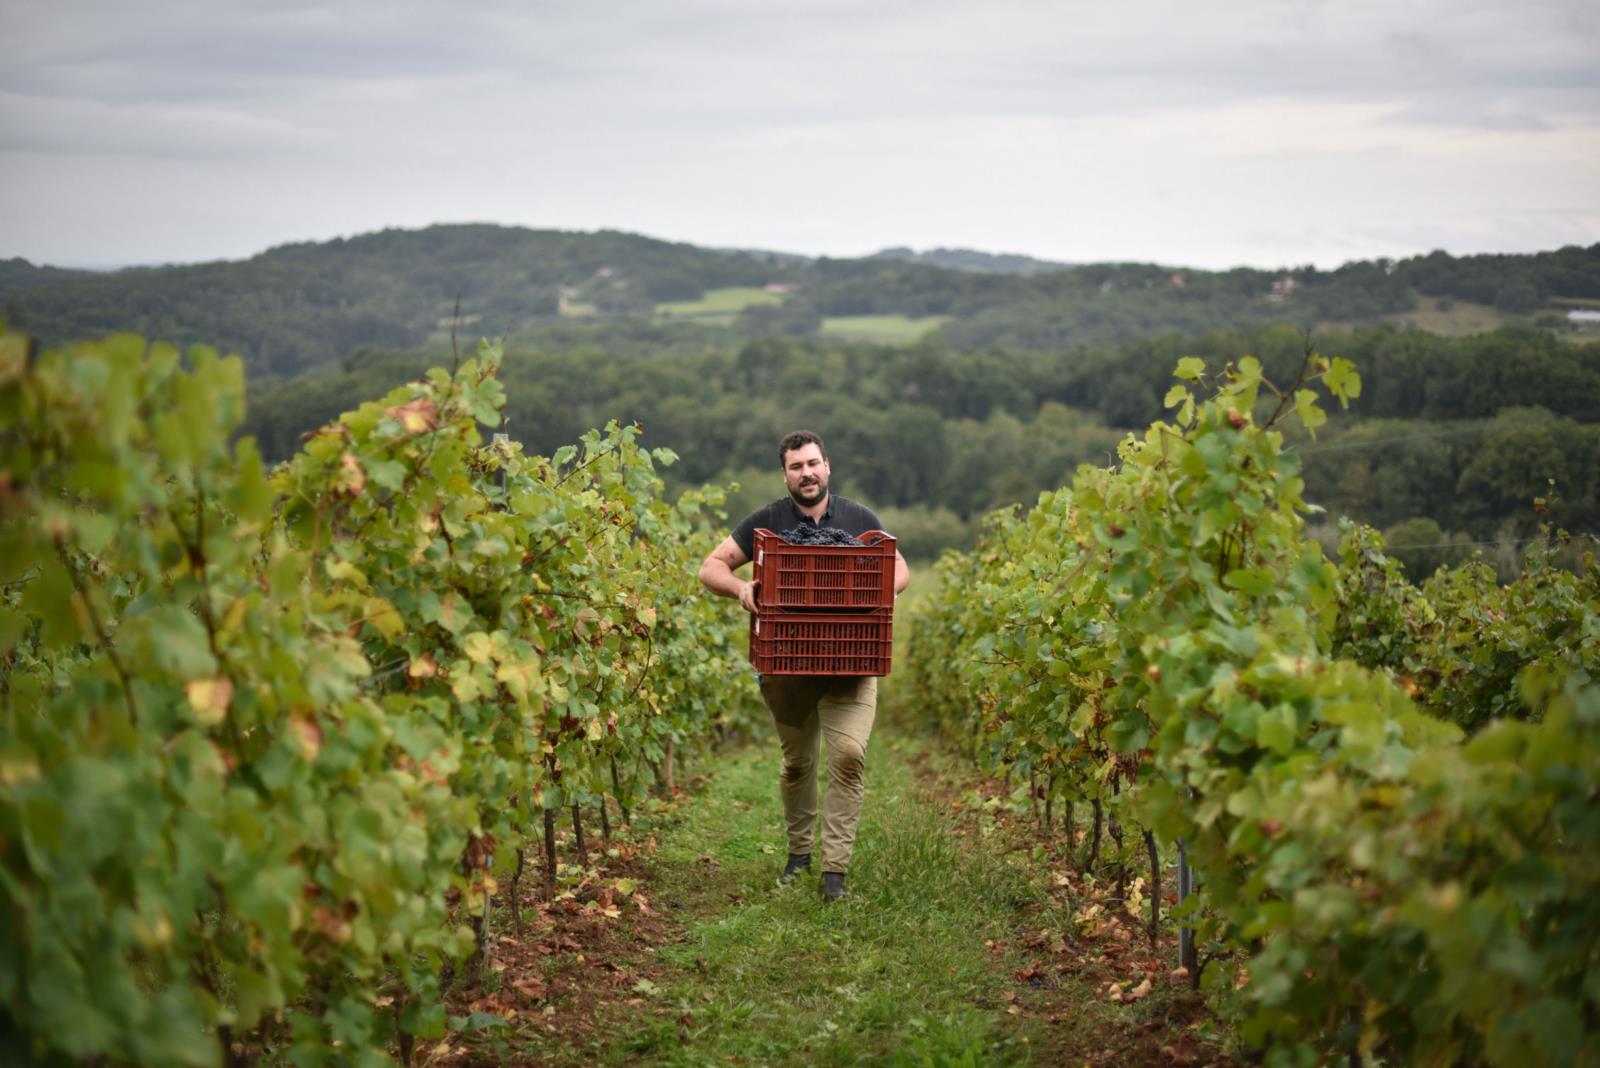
x=806, y=710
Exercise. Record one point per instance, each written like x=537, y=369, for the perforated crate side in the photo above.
x=808, y=643
x=848, y=577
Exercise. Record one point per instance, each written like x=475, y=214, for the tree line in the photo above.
x=1463, y=431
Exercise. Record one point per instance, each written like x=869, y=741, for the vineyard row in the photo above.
x=269, y=736
x=1390, y=795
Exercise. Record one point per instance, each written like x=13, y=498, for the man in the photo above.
x=808, y=709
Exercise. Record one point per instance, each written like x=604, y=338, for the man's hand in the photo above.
x=747, y=595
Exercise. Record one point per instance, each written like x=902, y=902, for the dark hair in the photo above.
x=799, y=440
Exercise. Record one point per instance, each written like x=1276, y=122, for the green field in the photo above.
x=1459, y=319
x=880, y=327
x=718, y=305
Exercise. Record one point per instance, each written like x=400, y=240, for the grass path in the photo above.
x=765, y=974
x=969, y=938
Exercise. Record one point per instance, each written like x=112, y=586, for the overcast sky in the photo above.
x=1206, y=134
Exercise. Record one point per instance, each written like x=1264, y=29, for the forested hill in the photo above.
x=18, y=274
x=966, y=259
x=304, y=307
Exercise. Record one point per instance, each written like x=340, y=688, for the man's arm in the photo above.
x=717, y=573
x=902, y=570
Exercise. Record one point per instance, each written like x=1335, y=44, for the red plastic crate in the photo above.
x=822, y=643
x=851, y=577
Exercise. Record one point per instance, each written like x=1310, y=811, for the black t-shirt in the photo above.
x=783, y=514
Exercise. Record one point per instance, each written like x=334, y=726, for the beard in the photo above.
x=811, y=492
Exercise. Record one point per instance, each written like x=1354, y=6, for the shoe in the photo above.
x=833, y=885
x=798, y=862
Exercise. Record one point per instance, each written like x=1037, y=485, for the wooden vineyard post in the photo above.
x=549, y=855
x=577, y=834
x=616, y=786
x=1186, y=954
x=1155, y=886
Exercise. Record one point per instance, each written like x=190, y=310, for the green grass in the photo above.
x=718, y=305
x=888, y=328
x=893, y=975
x=1459, y=319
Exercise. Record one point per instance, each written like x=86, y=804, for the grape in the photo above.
x=806, y=534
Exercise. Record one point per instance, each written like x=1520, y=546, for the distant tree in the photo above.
x=1421, y=545
x=795, y=317
x=1517, y=297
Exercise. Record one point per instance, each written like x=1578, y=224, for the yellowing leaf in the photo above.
x=423, y=667
x=352, y=481
x=13, y=356
x=152, y=934
x=210, y=699
x=233, y=618
x=345, y=571
x=587, y=619
x=306, y=735
x=16, y=771
x=464, y=685
x=384, y=617
x=477, y=646
x=418, y=416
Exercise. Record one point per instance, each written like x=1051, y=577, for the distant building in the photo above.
x=1178, y=280
x=779, y=287
x=1283, y=287
x=1583, y=319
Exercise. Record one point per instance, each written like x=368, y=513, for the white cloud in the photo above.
x=77, y=126
x=1279, y=130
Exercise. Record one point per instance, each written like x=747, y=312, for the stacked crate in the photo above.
x=823, y=609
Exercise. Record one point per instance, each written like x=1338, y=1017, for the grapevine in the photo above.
x=272, y=737
x=1163, y=640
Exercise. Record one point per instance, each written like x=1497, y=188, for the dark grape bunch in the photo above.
x=807, y=534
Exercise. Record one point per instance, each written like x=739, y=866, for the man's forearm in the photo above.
x=719, y=578
x=902, y=574
x=716, y=574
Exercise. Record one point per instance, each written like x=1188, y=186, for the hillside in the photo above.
x=303, y=307
x=966, y=259
x=18, y=274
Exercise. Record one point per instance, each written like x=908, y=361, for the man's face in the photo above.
x=805, y=472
